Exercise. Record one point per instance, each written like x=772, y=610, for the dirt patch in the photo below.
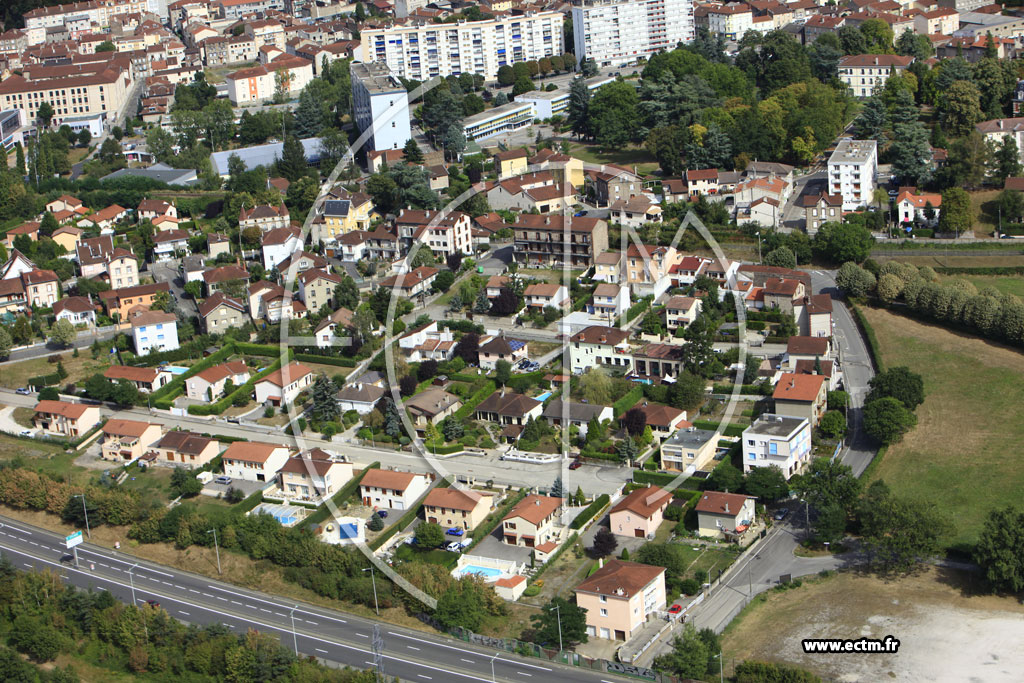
x=946, y=632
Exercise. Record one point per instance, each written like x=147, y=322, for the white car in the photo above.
x=25, y=432
x=454, y=547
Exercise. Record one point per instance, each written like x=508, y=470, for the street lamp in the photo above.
x=216, y=547
x=558, y=616
x=758, y=246
x=85, y=512
x=721, y=666
x=131, y=581
x=496, y=654
x=295, y=637
x=373, y=578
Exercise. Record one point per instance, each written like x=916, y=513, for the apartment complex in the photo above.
x=779, y=441
x=72, y=94
x=259, y=83
x=852, y=170
x=864, y=74
x=618, y=32
x=423, y=51
x=380, y=103
x=545, y=241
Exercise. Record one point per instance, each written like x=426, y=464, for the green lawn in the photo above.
x=964, y=453
x=1011, y=284
x=43, y=457
x=628, y=157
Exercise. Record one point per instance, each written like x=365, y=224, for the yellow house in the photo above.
x=67, y=236
x=461, y=508
x=355, y=211
x=510, y=163
x=565, y=168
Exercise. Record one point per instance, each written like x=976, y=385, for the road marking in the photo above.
x=280, y=615
x=274, y=604
x=467, y=661
x=311, y=622
x=207, y=595
x=14, y=528
x=319, y=650
x=33, y=543
x=193, y=590
x=235, y=602
x=363, y=635
x=411, y=647
x=166, y=583
x=220, y=598
x=449, y=647
x=426, y=677
x=523, y=673
x=181, y=611
x=27, y=565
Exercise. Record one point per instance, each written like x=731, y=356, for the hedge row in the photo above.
x=257, y=349
x=470, y=405
x=558, y=553
x=442, y=449
x=868, y=333
x=172, y=389
x=521, y=383
x=627, y=401
x=991, y=270
x=588, y=512
x=492, y=522
x=224, y=403
x=249, y=503
x=732, y=430
x=45, y=380
x=744, y=389
x=189, y=350
x=325, y=360
x=339, y=498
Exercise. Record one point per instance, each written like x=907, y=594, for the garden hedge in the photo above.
x=628, y=401
x=470, y=405
x=588, y=512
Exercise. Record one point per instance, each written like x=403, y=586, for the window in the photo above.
x=604, y=612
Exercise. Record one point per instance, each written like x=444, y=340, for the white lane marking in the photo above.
x=363, y=635
x=181, y=611
x=235, y=602
x=14, y=528
x=467, y=661
x=207, y=595
x=283, y=629
x=27, y=565
x=33, y=543
x=265, y=610
x=193, y=590
x=426, y=677
x=220, y=598
x=311, y=622
x=274, y=604
x=523, y=673
x=167, y=583
x=433, y=644
x=280, y=614
x=411, y=647
x=319, y=650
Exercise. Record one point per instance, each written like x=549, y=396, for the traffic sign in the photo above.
x=73, y=540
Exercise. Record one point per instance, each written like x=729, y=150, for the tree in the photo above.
x=63, y=333
x=596, y=386
x=783, y=257
x=900, y=383
x=767, y=483
x=502, y=372
x=627, y=449
x=292, y=164
x=841, y=242
x=463, y=605
x=1007, y=159
x=6, y=343
x=184, y=484
x=309, y=115
x=45, y=114
x=613, y=114
x=325, y=402
x=84, y=137
x=634, y=420
x=455, y=141
x=957, y=215
x=407, y=385
x=412, y=152
x=854, y=280
x=689, y=656
x=887, y=419
x=124, y=393
x=160, y=144
x=724, y=477
x=828, y=482
x=375, y=523
x=560, y=622
x=557, y=488
x=961, y=108
x=429, y=535
x=522, y=85
x=897, y=532
x=506, y=77
x=426, y=370
x=468, y=348
x=1011, y=205
x=1000, y=550
x=833, y=424
x=21, y=331
x=578, y=108
x=605, y=543
x=911, y=153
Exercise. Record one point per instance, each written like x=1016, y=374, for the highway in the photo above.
x=335, y=637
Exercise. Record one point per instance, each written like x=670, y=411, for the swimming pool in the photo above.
x=175, y=369
x=486, y=572
x=545, y=396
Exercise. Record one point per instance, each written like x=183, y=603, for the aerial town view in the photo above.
x=586, y=341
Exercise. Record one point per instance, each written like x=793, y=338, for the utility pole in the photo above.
x=216, y=547
x=373, y=579
x=558, y=616
x=86, y=512
x=295, y=637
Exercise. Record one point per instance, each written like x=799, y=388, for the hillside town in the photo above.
x=602, y=334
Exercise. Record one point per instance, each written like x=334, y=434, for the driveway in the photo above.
x=167, y=271
x=7, y=422
x=494, y=548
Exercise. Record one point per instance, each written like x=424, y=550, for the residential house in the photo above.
x=864, y=74
x=264, y=217
x=609, y=302
x=647, y=268
x=314, y=475
x=284, y=384
x=168, y=244
x=821, y=209
x=640, y=513
x=154, y=331
x=77, y=310
x=607, y=267
x=510, y=409
x=164, y=223
x=444, y=234
x=70, y=420
x=391, y=489
x=220, y=312
x=619, y=597
x=553, y=241
x=192, y=268
x=702, y=181
x=431, y=405
x=254, y=461
x=225, y=277
x=724, y=515
x=217, y=244
x=427, y=342
x=510, y=163
x=658, y=361
x=302, y=261
x=459, y=508
x=336, y=325
x=564, y=168
x=816, y=317
x=759, y=275
x=360, y=397
x=107, y=218
x=209, y=384
x=146, y=380
x=599, y=345
x=531, y=192
x=30, y=229
x=687, y=270
x=663, y=420
x=922, y=209
x=413, y=283
x=541, y=295
x=564, y=414
x=42, y=288
x=610, y=183
x=121, y=302
x=152, y=208
x=783, y=294
x=68, y=236
x=635, y=211
x=801, y=396
x=681, y=311
x=179, y=448
x=675, y=190
x=531, y=522
x=278, y=244
x=807, y=348
x=495, y=283
x=65, y=203
x=316, y=288
x=689, y=450
x=271, y=302
x=777, y=441
x=501, y=347
x=127, y=440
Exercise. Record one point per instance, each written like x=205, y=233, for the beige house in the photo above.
x=501, y=347
x=681, y=311
x=390, y=489
x=283, y=385
x=606, y=267
x=721, y=515
x=462, y=508
x=619, y=597
x=431, y=405
x=782, y=294
x=209, y=384
x=186, y=449
x=510, y=163
x=127, y=440
x=640, y=513
x=254, y=460
x=801, y=396
x=531, y=522
x=316, y=288
x=689, y=448
x=146, y=380
x=65, y=419
x=541, y=295
x=221, y=312
x=314, y=475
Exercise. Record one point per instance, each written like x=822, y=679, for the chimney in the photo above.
x=727, y=508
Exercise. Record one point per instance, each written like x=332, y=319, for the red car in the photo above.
x=675, y=609
x=575, y=465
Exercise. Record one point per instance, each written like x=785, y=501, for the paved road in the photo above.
x=167, y=271
x=793, y=213
x=332, y=636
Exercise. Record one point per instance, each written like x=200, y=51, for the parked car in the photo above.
x=781, y=514
x=675, y=609
x=24, y=391
x=223, y=479
x=25, y=432
x=383, y=514
x=575, y=465
x=67, y=558
x=455, y=531
x=454, y=547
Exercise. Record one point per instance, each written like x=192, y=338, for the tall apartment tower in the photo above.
x=381, y=104
x=852, y=170
x=617, y=32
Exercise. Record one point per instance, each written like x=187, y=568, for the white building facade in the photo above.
x=380, y=103
x=616, y=32
x=852, y=170
x=784, y=442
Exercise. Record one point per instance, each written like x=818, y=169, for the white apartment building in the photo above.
x=258, y=83
x=777, y=440
x=89, y=94
x=426, y=50
x=154, y=331
x=864, y=74
x=380, y=103
x=96, y=12
x=852, y=170
x=730, y=21
x=617, y=32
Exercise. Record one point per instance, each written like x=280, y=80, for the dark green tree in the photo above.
x=767, y=483
x=887, y=419
x=560, y=622
x=899, y=382
x=429, y=535
x=1000, y=550
x=899, y=533
x=604, y=544
x=292, y=164
x=325, y=403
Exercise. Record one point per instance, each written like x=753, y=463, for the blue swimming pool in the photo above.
x=545, y=396
x=175, y=369
x=486, y=572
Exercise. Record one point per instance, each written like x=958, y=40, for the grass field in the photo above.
x=43, y=457
x=983, y=259
x=628, y=157
x=1011, y=284
x=79, y=369
x=984, y=204
x=964, y=452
